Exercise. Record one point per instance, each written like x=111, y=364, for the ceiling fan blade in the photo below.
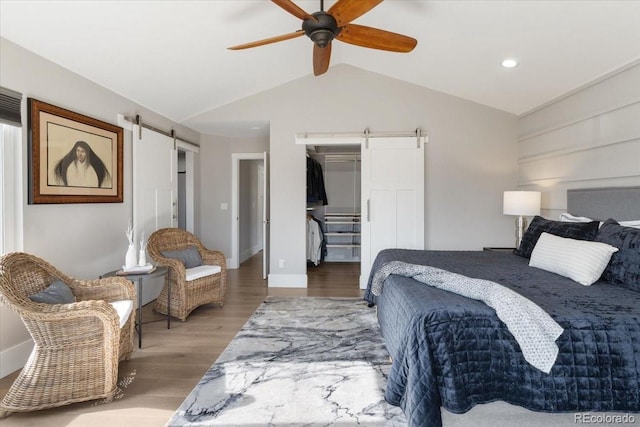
x=321, y=59
x=293, y=9
x=345, y=11
x=376, y=38
x=268, y=41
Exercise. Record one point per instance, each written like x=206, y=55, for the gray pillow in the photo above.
x=570, y=230
x=57, y=293
x=190, y=256
x=624, y=267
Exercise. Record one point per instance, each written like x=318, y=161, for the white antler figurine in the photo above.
x=143, y=243
x=142, y=254
x=130, y=257
x=129, y=233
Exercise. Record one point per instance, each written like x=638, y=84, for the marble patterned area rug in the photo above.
x=298, y=361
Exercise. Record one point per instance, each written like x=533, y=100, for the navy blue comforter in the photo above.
x=454, y=352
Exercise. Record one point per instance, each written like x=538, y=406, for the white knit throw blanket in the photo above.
x=534, y=330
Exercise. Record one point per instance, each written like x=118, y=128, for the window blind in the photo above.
x=10, y=107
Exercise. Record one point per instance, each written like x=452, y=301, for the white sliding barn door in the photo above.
x=392, y=198
x=155, y=184
x=155, y=188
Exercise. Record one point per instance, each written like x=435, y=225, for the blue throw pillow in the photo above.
x=569, y=230
x=624, y=266
x=57, y=293
x=190, y=256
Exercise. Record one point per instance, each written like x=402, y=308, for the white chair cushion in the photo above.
x=202, y=271
x=579, y=260
x=123, y=308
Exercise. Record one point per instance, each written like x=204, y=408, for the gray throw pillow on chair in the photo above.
x=56, y=293
x=190, y=256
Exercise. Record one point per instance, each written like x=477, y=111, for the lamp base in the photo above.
x=521, y=226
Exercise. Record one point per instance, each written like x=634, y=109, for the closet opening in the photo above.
x=333, y=211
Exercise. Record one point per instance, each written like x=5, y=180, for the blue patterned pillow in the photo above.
x=190, y=256
x=624, y=267
x=569, y=230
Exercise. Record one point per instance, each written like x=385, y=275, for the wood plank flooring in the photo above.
x=171, y=362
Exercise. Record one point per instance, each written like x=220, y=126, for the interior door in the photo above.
x=392, y=197
x=155, y=188
x=265, y=218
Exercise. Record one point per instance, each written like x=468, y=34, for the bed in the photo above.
x=451, y=353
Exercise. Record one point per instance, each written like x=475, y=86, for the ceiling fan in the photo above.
x=322, y=27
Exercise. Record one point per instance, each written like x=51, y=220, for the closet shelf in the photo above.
x=342, y=231
x=342, y=222
x=342, y=219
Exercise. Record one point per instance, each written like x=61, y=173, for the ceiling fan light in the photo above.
x=322, y=37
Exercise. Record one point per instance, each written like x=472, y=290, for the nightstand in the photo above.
x=498, y=249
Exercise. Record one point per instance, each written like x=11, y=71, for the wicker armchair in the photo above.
x=77, y=345
x=186, y=295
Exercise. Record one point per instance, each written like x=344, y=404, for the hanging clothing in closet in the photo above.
x=316, y=193
x=316, y=245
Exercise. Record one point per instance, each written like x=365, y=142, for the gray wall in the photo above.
x=470, y=161
x=84, y=240
x=590, y=138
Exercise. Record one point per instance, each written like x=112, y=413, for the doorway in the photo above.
x=339, y=220
x=249, y=209
x=250, y=200
x=392, y=194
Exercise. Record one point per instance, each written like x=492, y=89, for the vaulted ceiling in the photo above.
x=172, y=56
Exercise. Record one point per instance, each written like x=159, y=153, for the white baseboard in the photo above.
x=14, y=358
x=287, y=280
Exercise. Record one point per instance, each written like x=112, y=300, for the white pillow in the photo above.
x=579, y=260
x=633, y=224
x=567, y=217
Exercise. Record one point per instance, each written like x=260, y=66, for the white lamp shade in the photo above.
x=525, y=203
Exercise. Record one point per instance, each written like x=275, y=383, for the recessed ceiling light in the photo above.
x=509, y=63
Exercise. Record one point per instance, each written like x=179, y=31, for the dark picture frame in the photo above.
x=73, y=158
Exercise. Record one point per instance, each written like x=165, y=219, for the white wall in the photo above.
x=590, y=138
x=471, y=159
x=82, y=240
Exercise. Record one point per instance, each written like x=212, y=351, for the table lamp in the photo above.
x=521, y=203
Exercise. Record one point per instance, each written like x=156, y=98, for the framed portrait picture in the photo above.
x=73, y=158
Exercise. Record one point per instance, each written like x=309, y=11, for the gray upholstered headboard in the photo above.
x=619, y=203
